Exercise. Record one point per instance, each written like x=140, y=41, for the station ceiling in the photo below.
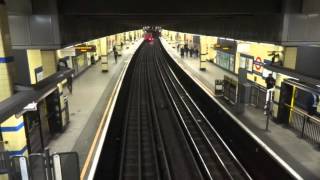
x=98, y=7
x=256, y=20
x=231, y=18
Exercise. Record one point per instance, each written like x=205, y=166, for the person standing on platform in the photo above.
x=191, y=52
x=270, y=82
x=182, y=52
x=69, y=83
x=92, y=60
x=312, y=104
x=186, y=49
x=196, y=52
x=115, y=53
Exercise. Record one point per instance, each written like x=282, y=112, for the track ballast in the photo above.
x=164, y=134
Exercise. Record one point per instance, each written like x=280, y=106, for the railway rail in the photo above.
x=161, y=133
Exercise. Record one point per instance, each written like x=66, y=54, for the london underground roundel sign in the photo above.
x=258, y=63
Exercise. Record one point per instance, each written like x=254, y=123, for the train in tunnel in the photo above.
x=151, y=33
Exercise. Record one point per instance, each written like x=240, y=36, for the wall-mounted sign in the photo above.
x=39, y=73
x=85, y=48
x=258, y=63
x=243, y=48
x=228, y=46
x=67, y=52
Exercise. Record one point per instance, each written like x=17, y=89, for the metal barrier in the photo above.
x=41, y=166
x=218, y=87
x=230, y=89
x=66, y=166
x=38, y=167
x=20, y=168
x=308, y=126
x=4, y=162
x=258, y=96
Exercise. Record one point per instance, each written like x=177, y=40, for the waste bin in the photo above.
x=104, y=63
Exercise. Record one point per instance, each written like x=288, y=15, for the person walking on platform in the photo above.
x=270, y=82
x=115, y=53
x=121, y=44
x=182, y=52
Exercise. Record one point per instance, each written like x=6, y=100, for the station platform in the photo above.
x=298, y=153
x=91, y=93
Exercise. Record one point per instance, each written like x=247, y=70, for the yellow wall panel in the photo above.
x=103, y=43
x=5, y=82
x=275, y=109
x=34, y=61
x=4, y=177
x=12, y=121
x=16, y=138
x=6, y=71
x=48, y=62
x=290, y=57
x=237, y=63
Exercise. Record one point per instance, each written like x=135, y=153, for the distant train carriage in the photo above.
x=148, y=36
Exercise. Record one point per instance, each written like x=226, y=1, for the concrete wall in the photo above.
x=308, y=61
x=169, y=6
x=246, y=27
x=34, y=24
x=35, y=31
x=22, y=67
x=19, y=7
x=311, y=6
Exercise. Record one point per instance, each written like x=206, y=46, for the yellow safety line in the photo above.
x=292, y=102
x=96, y=137
x=102, y=122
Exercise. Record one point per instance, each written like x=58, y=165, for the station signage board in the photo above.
x=224, y=45
x=85, y=48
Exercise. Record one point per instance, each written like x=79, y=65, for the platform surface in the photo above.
x=302, y=156
x=87, y=103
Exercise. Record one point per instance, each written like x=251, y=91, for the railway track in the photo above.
x=216, y=158
x=138, y=156
x=165, y=135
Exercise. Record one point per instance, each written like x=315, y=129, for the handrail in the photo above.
x=304, y=113
x=264, y=89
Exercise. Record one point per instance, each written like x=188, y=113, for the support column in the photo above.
x=6, y=60
x=12, y=130
x=104, y=54
x=203, y=52
x=290, y=57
